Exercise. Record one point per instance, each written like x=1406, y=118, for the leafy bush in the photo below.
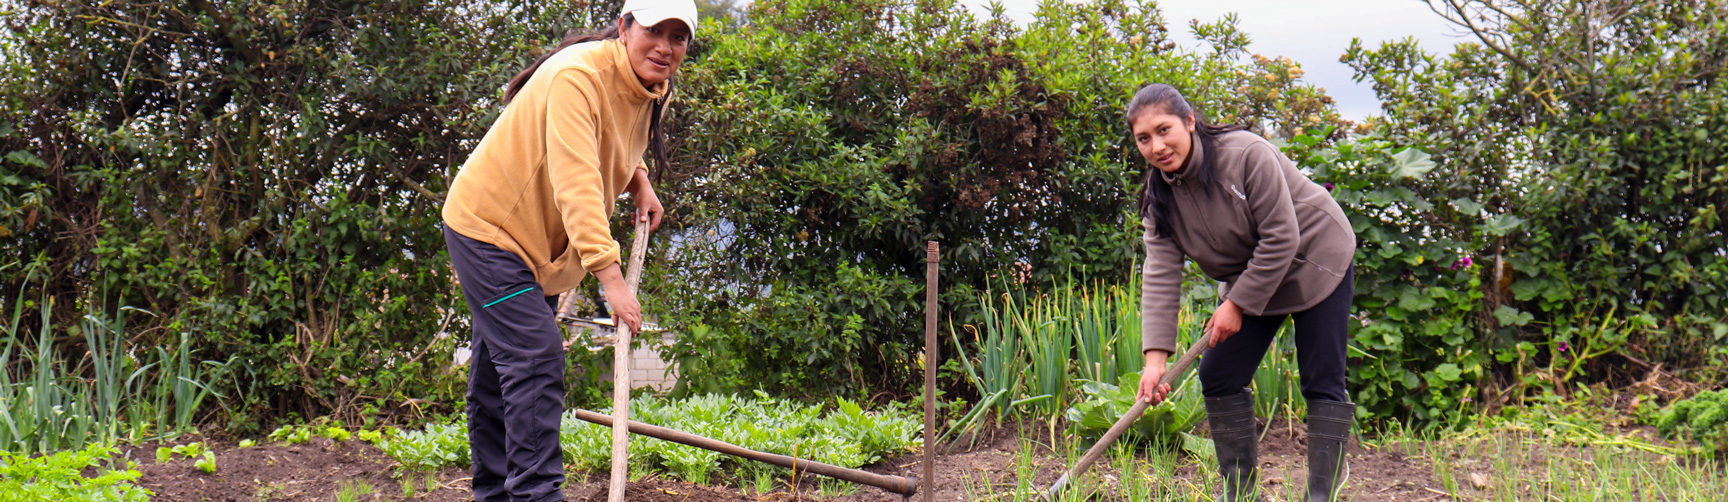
x=1577, y=164
x=1702, y=418
x=264, y=177
x=58, y=476
x=1418, y=291
x=823, y=143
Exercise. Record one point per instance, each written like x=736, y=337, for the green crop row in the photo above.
x=844, y=434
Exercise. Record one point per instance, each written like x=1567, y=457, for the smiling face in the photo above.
x=1164, y=139
x=655, y=51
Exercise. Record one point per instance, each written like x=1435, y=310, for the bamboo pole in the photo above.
x=621, y=372
x=1127, y=420
x=894, y=484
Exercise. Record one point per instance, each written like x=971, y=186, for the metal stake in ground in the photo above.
x=1127, y=420
x=621, y=373
x=932, y=257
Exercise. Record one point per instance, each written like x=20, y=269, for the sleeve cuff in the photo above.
x=602, y=260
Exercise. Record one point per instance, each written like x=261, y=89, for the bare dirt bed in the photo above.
x=317, y=470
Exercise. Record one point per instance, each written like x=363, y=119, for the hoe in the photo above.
x=1127, y=420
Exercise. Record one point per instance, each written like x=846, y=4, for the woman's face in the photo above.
x=1164, y=139
x=655, y=51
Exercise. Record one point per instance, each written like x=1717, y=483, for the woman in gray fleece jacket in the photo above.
x=1231, y=202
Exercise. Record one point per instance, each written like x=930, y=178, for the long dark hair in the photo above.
x=1155, y=193
x=656, y=136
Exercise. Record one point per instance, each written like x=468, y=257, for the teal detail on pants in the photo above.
x=512, y=295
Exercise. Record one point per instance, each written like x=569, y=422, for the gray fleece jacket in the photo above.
x=1278, y=241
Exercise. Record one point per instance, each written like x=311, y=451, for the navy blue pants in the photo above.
x=1322, y=333
x=515, y=375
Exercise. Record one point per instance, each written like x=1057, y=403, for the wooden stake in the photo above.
x=621, y=372
x=932, y=257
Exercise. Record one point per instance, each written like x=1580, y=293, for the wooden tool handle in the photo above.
x=895, y=484
x=621, y=371
x=1122, y=424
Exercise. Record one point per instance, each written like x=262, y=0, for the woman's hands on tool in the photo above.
x=648, y=206
x=1226, y=321
x=626, y=312
x=1150, y=391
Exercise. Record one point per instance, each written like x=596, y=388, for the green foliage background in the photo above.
x=266, y=177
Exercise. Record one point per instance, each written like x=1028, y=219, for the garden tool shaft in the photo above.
x=895, y=484
x=1127, y=420
x=621, y=372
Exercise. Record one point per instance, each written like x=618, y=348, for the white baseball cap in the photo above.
x=652, y=12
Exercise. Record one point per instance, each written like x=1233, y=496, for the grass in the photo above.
x=1521, y=466
x=352, y=491
x=1559, y=452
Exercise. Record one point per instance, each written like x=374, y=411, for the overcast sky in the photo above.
x=1312, y=32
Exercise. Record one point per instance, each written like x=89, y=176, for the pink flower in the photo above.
x=1328, y=187
x=1564, y=345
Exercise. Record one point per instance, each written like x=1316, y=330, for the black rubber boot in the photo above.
x=1233, y=438
x=1328, y=434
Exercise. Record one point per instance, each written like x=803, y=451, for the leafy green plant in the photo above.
x=438, y=445
x=206, y=462
x=58, y=476
x=1169, y=422
x=1702, y=418
x=845, y=435
x=205, y=459
x=291, y=434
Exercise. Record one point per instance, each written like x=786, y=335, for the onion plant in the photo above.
x=102, y=393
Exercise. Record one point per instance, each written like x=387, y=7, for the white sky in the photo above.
x=1312, y=32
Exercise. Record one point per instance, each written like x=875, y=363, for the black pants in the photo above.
x=515, y=375
x=1321, y=335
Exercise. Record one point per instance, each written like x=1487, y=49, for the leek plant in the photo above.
x=107, y=394
x=1034, y=351
x=1277, y=386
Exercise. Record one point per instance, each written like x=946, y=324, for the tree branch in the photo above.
x=1487, y=38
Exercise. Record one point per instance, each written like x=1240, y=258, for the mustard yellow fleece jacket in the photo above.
x=546, y=178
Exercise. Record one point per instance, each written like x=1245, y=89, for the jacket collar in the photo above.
x=1196, y=154
x=625, y=78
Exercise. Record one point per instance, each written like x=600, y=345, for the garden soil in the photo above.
x=318, y=470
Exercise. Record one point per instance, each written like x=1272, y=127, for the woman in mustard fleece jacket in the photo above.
x=1229, y=201
x=527, y=219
